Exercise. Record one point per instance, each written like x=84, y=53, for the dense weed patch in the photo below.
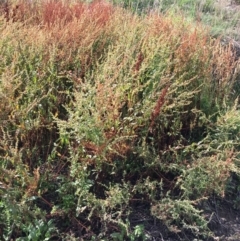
x=102, y=109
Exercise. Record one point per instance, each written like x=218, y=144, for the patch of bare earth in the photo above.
x=225, y=220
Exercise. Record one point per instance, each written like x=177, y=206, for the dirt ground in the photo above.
x=223, y=215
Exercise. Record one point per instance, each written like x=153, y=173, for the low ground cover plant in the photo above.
x=104, y=110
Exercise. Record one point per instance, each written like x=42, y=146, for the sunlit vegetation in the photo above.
x=104, y=110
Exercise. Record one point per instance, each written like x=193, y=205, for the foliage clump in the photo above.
x=102, y=109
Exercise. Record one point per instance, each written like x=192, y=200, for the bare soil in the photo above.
x=224, y=222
